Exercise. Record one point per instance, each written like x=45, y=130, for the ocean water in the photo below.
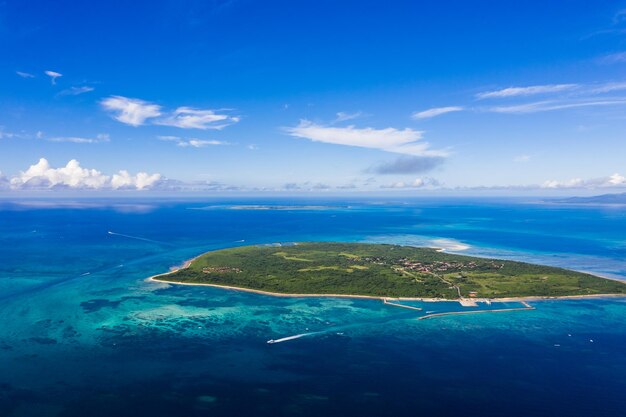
x=83, y=334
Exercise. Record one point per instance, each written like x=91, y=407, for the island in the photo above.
x=383, y=271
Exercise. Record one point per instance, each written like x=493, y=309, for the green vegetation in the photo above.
x=383, y=270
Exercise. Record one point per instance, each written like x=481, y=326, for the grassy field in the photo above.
x=385, y=271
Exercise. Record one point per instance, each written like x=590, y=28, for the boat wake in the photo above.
x=286, y=339
x=139, y=238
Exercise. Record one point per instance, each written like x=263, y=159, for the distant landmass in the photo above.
x=618, y=198
x=380, y=270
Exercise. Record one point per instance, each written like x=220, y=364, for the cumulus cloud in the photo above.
x=615, y=180
x=408, y=165
x=24, y=74
x=404, y=141
x=131, y=111
x=73, y=176
x=190, y=118
x=437, y=111
x=141, y=181
x=526, y=91
x=417, y=183
x=102, y=137
x=53, y=76
x=75, y=91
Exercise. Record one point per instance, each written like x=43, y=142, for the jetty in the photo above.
x=458, y=313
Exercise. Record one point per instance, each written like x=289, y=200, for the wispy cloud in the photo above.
x=437, y=111
x=526, y=91
x=607, y=87
x=522, y=158
x=53, y=76
x=8, y=135
x=24, y=74
x=614, y=58
x=136, y=112
x=190, y=118
x=102, y=137
x=404, y=141
x=200, y=143
x=75, y=91
x=542, y=106
x=408, y=165
x=73, y=176
x=343, y=116
x=131, y=111
x=192, y=142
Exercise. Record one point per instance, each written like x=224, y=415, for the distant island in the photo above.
x=380, y=270
x=604, y=199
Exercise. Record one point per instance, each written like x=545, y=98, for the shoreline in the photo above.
x=187, y=263
x=384, y=298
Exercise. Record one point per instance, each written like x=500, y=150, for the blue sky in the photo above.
x=325, y=96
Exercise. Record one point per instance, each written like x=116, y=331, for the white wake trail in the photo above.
x=138, y=238
x=285, y=339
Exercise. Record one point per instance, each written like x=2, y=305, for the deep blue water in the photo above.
x=82, y=333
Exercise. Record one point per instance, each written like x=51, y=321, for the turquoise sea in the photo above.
x=83, y=334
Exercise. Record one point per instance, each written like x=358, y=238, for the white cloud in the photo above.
x=42, y=175
x=75, y=91
x=24, y=74
x=102, y=137
x=7, y=135
x=343, y=116
x=614, y=58
x=53, y=76
x=170, y=138
x=73, y=176
x=522, y=158
x=190, y=118
x=199, y=143
x=403, y=141
x=130, y=111
x=426, y=114
x=608, y=87
x=136, y=112
x=615, y=180
x=192, y=142
x=417, y=183
x=541, y=106
x=141, y=181
x=526, y=91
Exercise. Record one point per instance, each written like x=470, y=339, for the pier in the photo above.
x=456, y=313
x=386, y=301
